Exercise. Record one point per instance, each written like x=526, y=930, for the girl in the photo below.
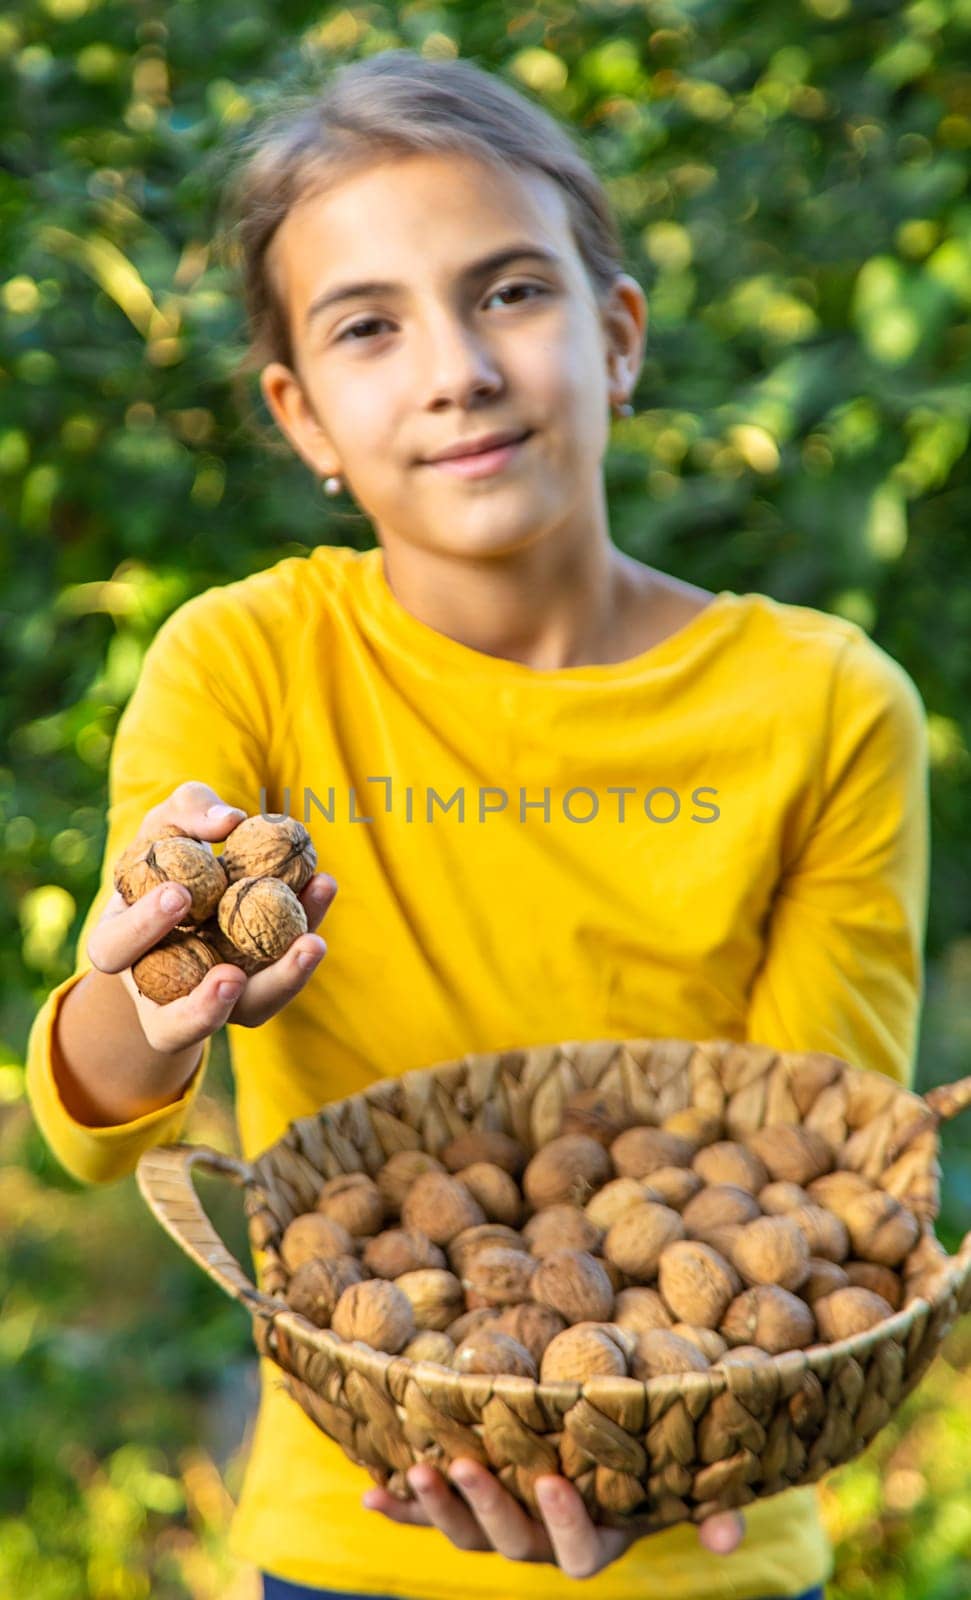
x=566, y=795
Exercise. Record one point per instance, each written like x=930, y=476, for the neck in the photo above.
x=546, y=606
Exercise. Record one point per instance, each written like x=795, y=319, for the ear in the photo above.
x=293, y=415
x=624, y=319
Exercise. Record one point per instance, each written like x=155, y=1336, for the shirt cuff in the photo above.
x=95, y=1154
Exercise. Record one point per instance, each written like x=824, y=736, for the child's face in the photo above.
x=448, y=356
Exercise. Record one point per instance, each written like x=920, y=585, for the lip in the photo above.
x=482, y=463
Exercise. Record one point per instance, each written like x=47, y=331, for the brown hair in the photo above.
x=390, y=104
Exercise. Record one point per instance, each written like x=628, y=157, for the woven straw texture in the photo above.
x=643, y=1454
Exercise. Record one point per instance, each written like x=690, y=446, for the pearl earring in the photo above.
x=332, y=485
x=625, y=410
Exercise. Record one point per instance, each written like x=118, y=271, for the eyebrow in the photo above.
x=475, y=269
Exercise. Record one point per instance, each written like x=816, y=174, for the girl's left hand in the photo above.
x=489, y=1518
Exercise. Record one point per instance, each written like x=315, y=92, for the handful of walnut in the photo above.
x=621, y=1250
x=244, y=908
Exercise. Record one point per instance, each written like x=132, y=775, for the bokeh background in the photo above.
x=791, y=182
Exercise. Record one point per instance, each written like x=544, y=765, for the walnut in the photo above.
x=174, y=966
x=772, y=1250
x=311, y=1235
x=353, y=1199
x=770, y=1317
x=660, y=1350
x=743, y=1355
x=722, y=1239
x=848, y=1311
x=639, y=1151
x=696, y=1282
x=636, y=1240
x=399, y=1250
x=376, y=1311
x=871, y=1275
x=835, y=1190
x=710, y=1343
x=440, y=1207
x=694, y=1124
x=469, y=1320
x=618, y=1278
x=399, y=1172
x=637, y=1309
x=429, y=1345
x=497, y=1191
x=569, y=1168
x=316, y=1286
x=561, y=1227
x=791, y=1152
x=880, y=1228
x=469, y=1241
x=532, y=1325
x=584, y=1351
x=484, y=1144
x=824, y=1277
x=226, y=951
x=674, y=1186
x=261, y=917
x=613, y=1200
x=489, y=1350
x=573, y=1283
x=497, y=1276
x=261, y=847
x=826, y=1235
x=778, y=1197
x=928, y=1255
x=435, y=1294
x=600, y=1114
x=727, y=1163
x=716, y=1206
x=190, y=862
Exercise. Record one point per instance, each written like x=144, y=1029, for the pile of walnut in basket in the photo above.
x=615, y=1249
x=244, y=907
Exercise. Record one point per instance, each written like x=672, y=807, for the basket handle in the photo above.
x=164, y=1176
x=948, y=1099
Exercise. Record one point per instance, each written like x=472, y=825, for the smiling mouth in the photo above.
x=481, y=463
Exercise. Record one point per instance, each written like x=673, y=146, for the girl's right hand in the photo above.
x=124, y=933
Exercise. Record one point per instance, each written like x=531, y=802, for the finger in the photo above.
x=192, y=1017
x=575, y=1542
x=406, y=1511
x=317, y=897
x=723, y=1532
x=502, y=1519
x=445, y=1509
x=435, y=1506
x=197, y=809
x=267, y=992
x=121, y=937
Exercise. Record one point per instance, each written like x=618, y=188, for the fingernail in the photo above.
x=217, y=813
x=370, y=1501
x=229, y=990
x=463, y=1476
x=173, y=899
x=307, y=962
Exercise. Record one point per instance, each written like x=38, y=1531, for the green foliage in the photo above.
x=791, y=187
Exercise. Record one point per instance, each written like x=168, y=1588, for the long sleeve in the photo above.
x=843, y=966
x=200, y=711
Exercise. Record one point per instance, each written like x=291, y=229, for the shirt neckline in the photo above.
x=423, y=642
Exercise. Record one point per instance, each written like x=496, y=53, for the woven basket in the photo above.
x=643, y=1455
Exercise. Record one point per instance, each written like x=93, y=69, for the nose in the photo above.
x=461, y=367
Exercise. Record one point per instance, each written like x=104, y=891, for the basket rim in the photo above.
x=818, y=1358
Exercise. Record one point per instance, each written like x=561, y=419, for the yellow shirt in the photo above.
x=766, y=879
